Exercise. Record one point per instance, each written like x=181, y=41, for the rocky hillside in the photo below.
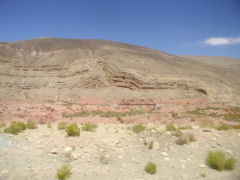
x=59, y=68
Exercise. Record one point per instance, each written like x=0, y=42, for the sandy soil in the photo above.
x=36, y=154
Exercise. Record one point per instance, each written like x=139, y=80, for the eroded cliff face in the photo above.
x=45, y=68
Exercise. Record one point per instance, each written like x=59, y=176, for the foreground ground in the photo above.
x=114, y=151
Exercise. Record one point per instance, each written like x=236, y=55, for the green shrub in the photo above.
x=62, y=125
x=185, y=127
x=73, y=130
x=138, y=128
x=223, y=127
x=217, y=160
x=31, y=124
x=64, y=172
x=177, y=133
x=230, y=163
x=150, y=168
x=15, y=127
x=170, y=127
x=89, y=127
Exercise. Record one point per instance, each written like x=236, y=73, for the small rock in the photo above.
x=183, y=161
x=120, y=157
x=166, y=159
x=202, y=165
x=4, y=172
x=54, y=151
x=164, y=153
x=75, y=155
x=68, y=149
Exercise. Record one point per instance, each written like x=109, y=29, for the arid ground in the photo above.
x=116, y=87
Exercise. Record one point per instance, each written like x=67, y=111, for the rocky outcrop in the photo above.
x=50, y=67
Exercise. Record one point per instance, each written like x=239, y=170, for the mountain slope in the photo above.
x=59, y=68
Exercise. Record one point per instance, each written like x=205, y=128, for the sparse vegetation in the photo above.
x=2, y=125
x=230, y=163
x=150, y=168
x=108, y=114
x=15, y=128
x=31, y=124
x=174, y=115
x=177, y=133
x=138, y=128
x=64, y=172
x=89, y=127
x=170, y=127
x=223, y=127
x=119, y=119
x=207, y=124
x=62, y=125
x=49, y=125
x=73, y=130
x=232, y=117
x=217, y=160
x=185, y=139
x=185, y=127
x=105, y=159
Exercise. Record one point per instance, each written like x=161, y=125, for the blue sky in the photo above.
x=195, y=27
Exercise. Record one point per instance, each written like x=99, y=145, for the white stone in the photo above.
x=68, y=149
x=164, y=153
x=166, y=159
x=202, y=165
x=74, y=156
x=120, y=157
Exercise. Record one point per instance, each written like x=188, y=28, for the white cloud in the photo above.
x=219, y=41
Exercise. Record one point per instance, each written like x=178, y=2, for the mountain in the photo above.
x=72, y=68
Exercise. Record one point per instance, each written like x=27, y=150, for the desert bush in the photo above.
x=185, y=139
x=177, y=133
x=62, y=125
x=31, y=124
x=217, y=160
x=230, y=163
x=89, y=127
x=185, y=127
x=49, y=125
x=232, y=117
x=223, y=127
x=207, y=124
x=15, y=127
x=138, y=128
x=150, y=168
x=2, y=125
x=174, y=115
x=170, y=127
x=105, y=159
x=73, y=130
x=64, y=172
x=119, y=119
